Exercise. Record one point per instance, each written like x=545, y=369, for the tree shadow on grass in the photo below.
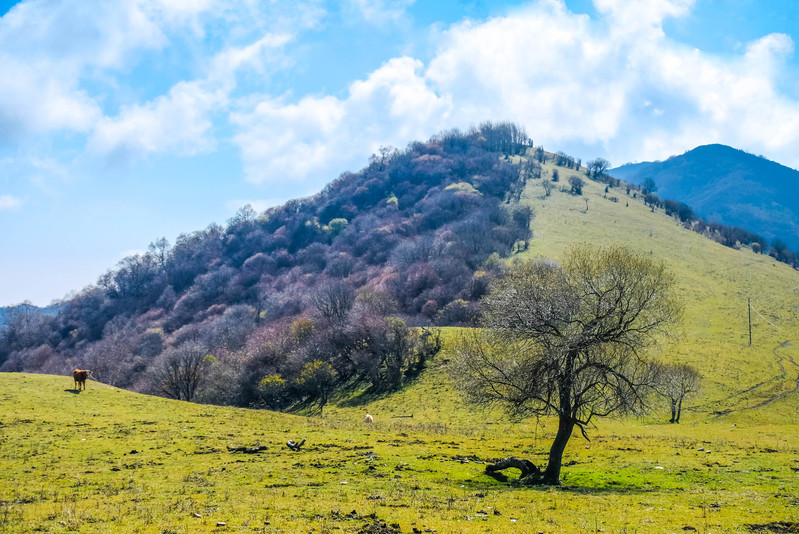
x=488, y=482
x=361, y=397
x=74, y=391
x=364, y=397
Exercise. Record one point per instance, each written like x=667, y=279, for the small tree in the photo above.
x=316, y=381
x=548, y=187
x=179, y=372
x=577, y=185
x=597, y=168
x=648, y=186
x=333, y=301
x=569, y=340
x=273, y=391
x=675, y=382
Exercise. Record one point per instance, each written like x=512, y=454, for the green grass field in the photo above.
x=107, y=460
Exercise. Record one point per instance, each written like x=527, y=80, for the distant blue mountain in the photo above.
x=726, y=185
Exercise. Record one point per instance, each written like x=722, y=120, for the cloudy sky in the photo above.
x=123, y=122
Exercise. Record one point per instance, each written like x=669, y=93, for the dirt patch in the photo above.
x=781, y=527
x=379, y=527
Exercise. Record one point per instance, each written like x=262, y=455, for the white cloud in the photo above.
x=177, y=122
x=80, y=33
x=48, y=48
x=254, y=57
x=381, y=11
x=319, y=136
x=8, y=202
x=616, y=86
x=282, y=141
x=37, y=98
x=633, y=16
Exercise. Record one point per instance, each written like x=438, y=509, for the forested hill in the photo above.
x=318, y=291
x=728, y=186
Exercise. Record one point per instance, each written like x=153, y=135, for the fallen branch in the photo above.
x=293, y=445
x=248, y=450
x=530, y=474
x=402, y=416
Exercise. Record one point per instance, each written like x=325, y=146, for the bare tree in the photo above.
x=548, y=187
x=159, y=251
x=675, y=382
x=333, y=300
x=569, y=340
x=180, y=370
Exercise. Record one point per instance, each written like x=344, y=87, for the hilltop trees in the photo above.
x=597, y=168
x=569, y=340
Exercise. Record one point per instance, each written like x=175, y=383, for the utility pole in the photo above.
x=749, y=304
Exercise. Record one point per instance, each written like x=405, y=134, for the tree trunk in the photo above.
x=679, y=411
x=527, y=468
x=565, y=429
x=673, y=411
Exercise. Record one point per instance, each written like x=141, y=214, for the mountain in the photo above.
x=327, y=285
x=728, y=186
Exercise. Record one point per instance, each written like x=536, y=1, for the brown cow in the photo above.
x=80, y=377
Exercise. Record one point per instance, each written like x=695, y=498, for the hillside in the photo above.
x=321, y=290
x=715, y=282
x=728, y=186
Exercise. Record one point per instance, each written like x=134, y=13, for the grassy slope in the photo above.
x=68, y=462
x=714, y=281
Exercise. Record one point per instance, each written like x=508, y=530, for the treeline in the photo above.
x=729, y=236
x=329, y=285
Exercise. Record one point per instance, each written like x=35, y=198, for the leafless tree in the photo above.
x=179, y=372
x=333, y=300
x=675, y=382
x=569, y=340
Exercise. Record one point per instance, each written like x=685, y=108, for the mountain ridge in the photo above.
x=729, y=186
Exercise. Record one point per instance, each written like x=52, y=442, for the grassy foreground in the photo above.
x=107, y=460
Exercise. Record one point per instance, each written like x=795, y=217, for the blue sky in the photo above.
x=123, y=122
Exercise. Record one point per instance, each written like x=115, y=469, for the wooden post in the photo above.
x=749, y=304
